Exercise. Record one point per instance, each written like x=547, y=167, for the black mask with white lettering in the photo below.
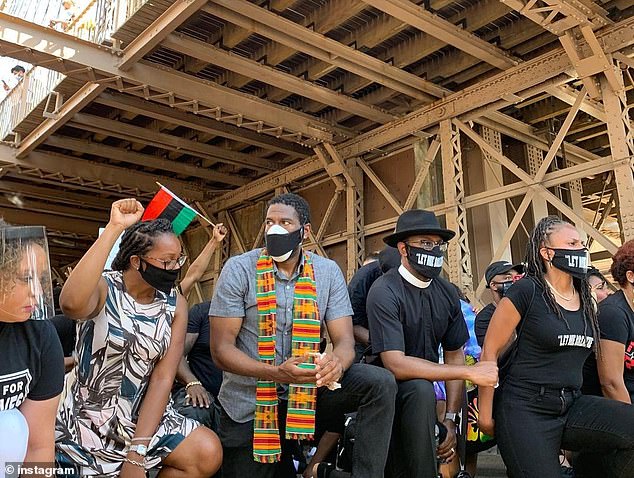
x=572, y=261
x=503, y=287
x=426, y=263
x=159, y=278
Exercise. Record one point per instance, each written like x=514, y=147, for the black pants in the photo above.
x=533, y=423
x=413, y=445
x=206, y=416
x=368, y=390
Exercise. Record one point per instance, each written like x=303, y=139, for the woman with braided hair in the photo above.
x=116, y=418
x=538, y=407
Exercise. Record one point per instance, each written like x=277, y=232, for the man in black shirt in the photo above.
x=358, y=289
x=411, y=311
x=499, y=277
x=199, y=377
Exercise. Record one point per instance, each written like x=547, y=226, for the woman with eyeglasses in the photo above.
x=116, y=418
x=539, y=408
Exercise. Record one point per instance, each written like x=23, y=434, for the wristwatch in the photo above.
x=140, y=450
x=454, y=417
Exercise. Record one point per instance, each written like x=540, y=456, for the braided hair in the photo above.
x=536, y=268
x=138, y=239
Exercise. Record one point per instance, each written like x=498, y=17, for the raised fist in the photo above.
x=126, y=212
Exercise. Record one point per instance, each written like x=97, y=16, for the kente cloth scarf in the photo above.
x=302, y=398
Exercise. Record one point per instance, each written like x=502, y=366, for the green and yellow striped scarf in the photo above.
x=302, y=398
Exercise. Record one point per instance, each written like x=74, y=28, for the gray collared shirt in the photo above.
x=234, y=296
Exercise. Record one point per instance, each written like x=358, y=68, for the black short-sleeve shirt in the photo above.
x=32, y=363
x=616, y=322
x=549, y=352
x=358, y=289
x=482, y=321
x=199, y=357
x=414, y=320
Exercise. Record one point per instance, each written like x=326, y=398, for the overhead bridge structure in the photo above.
x=491, y=113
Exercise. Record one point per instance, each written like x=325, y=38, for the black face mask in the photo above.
x=159, y=278
x=426, y=263
x=572, y=261
x=503, y=287
x=282, y=246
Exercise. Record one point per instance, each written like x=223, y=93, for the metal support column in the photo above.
x=535, y=158
x=459, y=256
x=621, y=146
x=354, y=219
x=222, y=255
x=425, y=190
x=493, y=178
x=576, y=191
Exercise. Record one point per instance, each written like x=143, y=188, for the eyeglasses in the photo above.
x=172, y=263
x=428, y=245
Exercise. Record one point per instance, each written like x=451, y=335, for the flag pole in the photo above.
x=199, y=214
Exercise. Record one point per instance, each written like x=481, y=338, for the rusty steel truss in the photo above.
x=492, y=114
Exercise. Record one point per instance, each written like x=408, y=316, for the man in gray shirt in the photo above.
x=235, y=329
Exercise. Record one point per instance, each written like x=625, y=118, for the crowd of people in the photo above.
x=288, y=371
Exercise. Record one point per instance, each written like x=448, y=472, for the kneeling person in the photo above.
x=411, y=311
x=268, y=309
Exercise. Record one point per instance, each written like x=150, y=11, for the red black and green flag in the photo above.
x=167, y=205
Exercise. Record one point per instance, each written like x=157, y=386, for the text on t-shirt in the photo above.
x=14, y=388
x=574, y=340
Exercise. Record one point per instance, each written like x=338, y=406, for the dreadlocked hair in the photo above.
x=536, y=268
x=138, y=239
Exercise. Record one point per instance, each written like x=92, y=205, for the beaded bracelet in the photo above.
x=191, y=384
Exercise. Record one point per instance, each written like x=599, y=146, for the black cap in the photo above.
x=500, y=267
x=415, y=222
x=389, y=258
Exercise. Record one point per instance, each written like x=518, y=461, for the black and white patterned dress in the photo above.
x=115, y=355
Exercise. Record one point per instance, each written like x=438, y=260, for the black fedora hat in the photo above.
x=415, y=222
